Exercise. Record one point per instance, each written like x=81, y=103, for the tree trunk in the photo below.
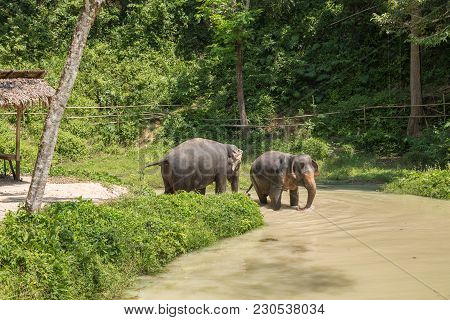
x=240, y=88
x=238, y=48
x=58, y=103
x=415, y=84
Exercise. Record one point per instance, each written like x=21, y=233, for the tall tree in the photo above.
x=232, y=20
x=415, y=76
x=425, y=21
x=58, y=103
x=239, y=57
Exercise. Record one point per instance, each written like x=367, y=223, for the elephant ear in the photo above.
x=316, y=168
x=234, y=156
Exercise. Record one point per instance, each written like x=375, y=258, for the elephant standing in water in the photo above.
x=274, y=172
x=196, y=163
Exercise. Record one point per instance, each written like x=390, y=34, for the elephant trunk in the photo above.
x=310, y=185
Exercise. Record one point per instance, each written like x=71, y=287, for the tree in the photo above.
x=425, y=22
x=231, y=20
x=58, y=103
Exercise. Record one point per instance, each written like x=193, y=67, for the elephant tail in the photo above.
x=157, y=163
x=249, y=188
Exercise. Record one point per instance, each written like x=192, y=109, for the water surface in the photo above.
x=355, y=244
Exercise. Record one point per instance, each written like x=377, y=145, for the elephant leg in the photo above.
x=262, y=197
x=202, y=191
x=221, y=183
x=166, y=175
x=168, y=188
x=293, y=196
x=275, y=197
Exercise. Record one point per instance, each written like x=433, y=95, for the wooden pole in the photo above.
x=415, y=82
x=445, y=109
x=18, y=118
x=364, y=110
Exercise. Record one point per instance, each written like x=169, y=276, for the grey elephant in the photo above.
x=274, y=172
x=196, y=163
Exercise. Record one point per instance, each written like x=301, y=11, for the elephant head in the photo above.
x=303, y=169
x=233, y=166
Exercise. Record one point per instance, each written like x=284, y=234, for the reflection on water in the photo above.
x=353, y=245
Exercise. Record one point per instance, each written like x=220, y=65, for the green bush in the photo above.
x=78, y=250
x=346, y=151
x=432, y=148
x=7, y=137
x=317, y=148
x=70, y=146
x=432, y=183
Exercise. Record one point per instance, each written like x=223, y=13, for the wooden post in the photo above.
x=364, y=111
x=18, y=118
x=445, y=109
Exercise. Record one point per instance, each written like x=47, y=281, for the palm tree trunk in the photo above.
x=58, y=104
x=415, y=83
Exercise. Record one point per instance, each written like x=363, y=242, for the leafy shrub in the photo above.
x=7, y=137
x=77, y=127
x=317, y=148
x=123, y=134
x=346, y=151
x=78, y=250
x=432, y=148
x=175, y=127
x=70, y=146
x=432, y=183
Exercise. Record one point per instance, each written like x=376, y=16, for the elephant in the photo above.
x=196, y=163
x=274, y=172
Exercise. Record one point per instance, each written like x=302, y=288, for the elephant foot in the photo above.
x=305, y=208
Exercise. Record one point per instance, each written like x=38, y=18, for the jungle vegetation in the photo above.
x=220, y=63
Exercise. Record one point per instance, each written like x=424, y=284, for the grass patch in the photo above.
x=363, y=169
x=78, y=250
x=433, y=183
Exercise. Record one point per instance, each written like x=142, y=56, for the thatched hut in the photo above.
x=19, y=89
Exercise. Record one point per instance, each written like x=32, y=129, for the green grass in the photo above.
x=121, y=168
x=360, y=169
x=79, y=250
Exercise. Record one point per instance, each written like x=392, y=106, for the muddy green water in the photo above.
x=355, y=244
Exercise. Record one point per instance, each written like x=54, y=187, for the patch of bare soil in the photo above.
x=13, y=193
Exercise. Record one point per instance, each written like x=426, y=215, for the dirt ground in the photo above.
x=355, y=244
x=13, y=193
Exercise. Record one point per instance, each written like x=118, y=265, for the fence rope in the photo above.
x=149, y=115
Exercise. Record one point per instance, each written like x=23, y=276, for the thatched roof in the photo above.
x=21, y=88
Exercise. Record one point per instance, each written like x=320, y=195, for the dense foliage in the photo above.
x=78, y=250
x=429, y=183
x=300, y=57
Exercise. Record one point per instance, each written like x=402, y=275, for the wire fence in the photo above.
x=155, y=114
